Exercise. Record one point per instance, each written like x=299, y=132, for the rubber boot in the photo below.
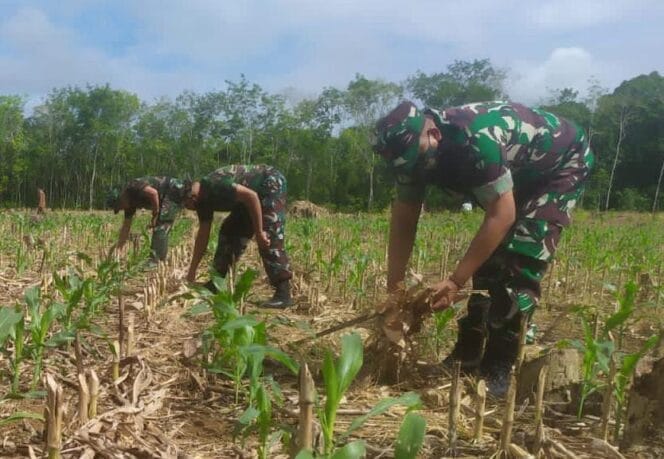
x=281, y=298
x=501, y=352
x=469, y=347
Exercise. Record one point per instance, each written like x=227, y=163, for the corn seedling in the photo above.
x=40, y=324
x=337, y=377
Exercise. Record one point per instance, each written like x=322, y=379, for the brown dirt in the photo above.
x=194, y=412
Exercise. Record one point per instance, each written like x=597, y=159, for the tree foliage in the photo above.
x=80, y=141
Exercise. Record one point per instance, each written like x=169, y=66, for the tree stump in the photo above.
x=564, y=370
x=645, y=409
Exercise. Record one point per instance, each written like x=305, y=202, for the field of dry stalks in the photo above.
x=106, y=357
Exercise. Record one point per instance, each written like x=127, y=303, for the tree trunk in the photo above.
x=94, y=175
x=371, y=185
x=659, y=184
x=622, y=123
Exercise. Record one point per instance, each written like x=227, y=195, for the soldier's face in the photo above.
x=429, y=139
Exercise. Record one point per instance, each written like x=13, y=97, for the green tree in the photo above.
x=463, y=82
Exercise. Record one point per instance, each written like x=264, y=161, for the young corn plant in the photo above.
x=40, y=324
x=411, y=436
x=628, y=363
x=258, y=416
x=598, y=351
x=337, y=377
x=11, y=327
x=238, y=343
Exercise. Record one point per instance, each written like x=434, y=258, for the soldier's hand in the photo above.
x=153, y=222
x=263, y=240
x=444, y=294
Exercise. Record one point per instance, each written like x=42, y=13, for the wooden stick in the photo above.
x=83, y=399
x=455, y=395
x=55, y=409
x=508, y=418
x=480, y=403
x=606, y=401
x=115, y=369
x=78, y=354
x=307, y=399
x=130, y=335
x=93, y=387
x=539, y=405
x=121, y=313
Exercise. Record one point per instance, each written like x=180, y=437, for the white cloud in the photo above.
x=566, y=14
x=174, y=45
x=563, y=68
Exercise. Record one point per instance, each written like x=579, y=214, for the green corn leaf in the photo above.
x=626, y=301
x=331, y=384
x=60, y=338
x=249, y=415
x=244, y=283
x=411, y=437
x=8, y=319
x=31, y=296
x=197, y=309
x=305, y=454
x=240, y=322
x=350, y=361
x=409, y=399
x=353, y=450
x=19, y=416
x=259, y=351
x=629, y=361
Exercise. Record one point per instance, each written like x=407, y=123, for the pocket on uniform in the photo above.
x=534, y=238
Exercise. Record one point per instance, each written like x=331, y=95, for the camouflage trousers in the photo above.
x=237, y=230
x=168, y=210
x=513, y=273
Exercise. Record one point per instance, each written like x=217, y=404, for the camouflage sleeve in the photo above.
x=487, y=193
x=409, y=190
x=488, y=138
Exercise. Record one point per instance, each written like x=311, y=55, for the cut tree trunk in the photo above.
x=645, y=408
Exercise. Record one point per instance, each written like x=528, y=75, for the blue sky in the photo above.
x=163, y=47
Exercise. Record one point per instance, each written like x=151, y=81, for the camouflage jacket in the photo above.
x=217, y=191
x=169, y=189
x=489, y=148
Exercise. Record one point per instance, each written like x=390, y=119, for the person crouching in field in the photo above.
x=41, y=201
x=256, y=198
x=526, y=168
x=162, y=195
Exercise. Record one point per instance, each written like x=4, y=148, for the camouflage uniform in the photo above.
x=491, y=148
x=171, y=193
x=217, y=193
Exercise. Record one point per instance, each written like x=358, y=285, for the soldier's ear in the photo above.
x=435, y=133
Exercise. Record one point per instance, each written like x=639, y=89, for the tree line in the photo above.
x=79, y=142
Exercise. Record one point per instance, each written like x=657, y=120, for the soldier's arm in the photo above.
x=249, y=198
x=498, y=219
x=123, y=236
x=200, y=245
x=403, y=227
x=153, y=196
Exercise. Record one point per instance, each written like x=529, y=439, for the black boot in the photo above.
x=501, y=351
x=468, y=349
x=281, y=298
x=471, y=338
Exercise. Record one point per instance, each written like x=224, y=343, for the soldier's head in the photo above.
x=115, y=200
x=403, y=135
x=191, y=196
